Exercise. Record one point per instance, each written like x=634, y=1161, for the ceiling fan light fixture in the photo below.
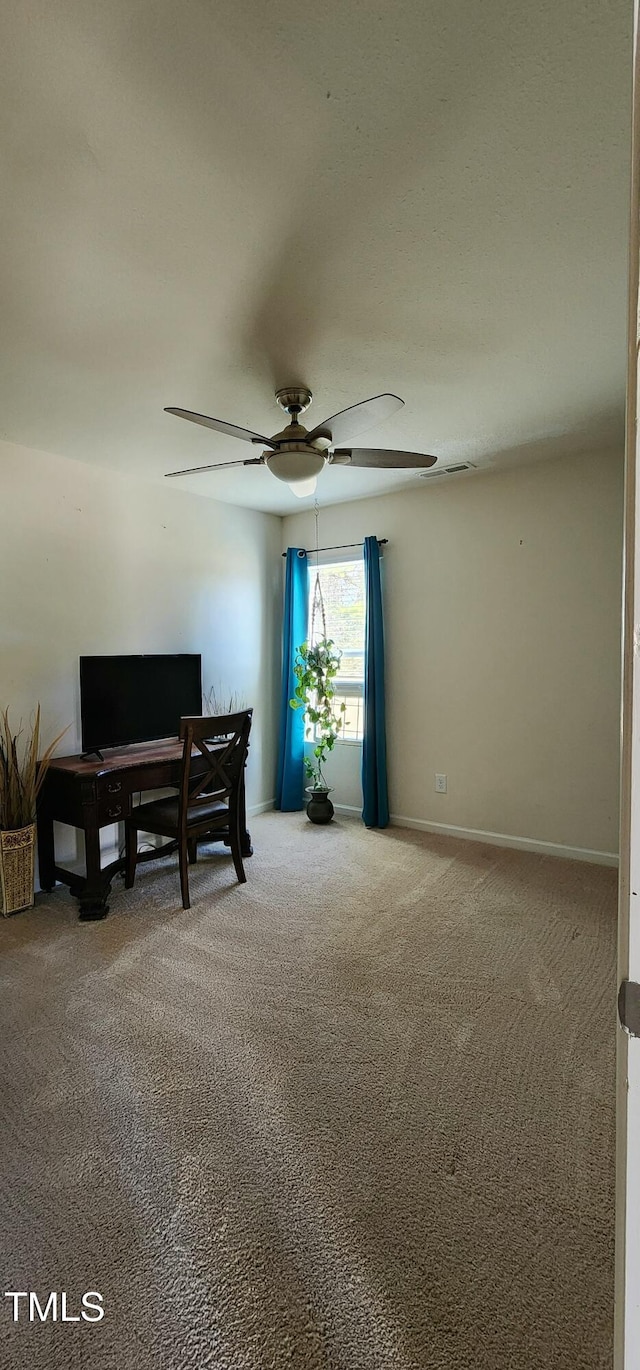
x=302, y=488
x=296, y=466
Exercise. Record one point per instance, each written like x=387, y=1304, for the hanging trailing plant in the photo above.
x=315, y=668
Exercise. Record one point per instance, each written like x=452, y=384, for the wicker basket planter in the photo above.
x=17, y=858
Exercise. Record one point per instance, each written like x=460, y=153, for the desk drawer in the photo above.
x=113, y=808
x=111, y=787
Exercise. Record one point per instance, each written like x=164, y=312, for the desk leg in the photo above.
x=46, y=851
x=93, y=892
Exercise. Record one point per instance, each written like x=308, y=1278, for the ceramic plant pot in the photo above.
x=319, y=808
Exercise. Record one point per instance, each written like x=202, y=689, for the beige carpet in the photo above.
x=356, y=1115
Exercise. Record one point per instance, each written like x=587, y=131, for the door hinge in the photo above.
x=629, y=1007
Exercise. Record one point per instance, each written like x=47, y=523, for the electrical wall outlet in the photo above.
x=441, y=784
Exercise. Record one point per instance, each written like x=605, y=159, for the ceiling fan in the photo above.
x=297, y=456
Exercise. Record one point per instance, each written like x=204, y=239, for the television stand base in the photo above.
x=84, y=756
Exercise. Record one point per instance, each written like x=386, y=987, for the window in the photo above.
x=342, y=585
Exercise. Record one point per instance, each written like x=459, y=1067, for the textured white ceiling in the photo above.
x=205, y=200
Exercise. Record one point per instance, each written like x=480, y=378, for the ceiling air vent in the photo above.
x=448, y=470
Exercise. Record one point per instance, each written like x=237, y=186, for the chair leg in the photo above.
x=184, y=872
x=234, y=843
x=131, y=852
x=192, y=848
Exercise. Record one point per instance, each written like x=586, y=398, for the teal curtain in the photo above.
x=375, y=812
x=290, y=777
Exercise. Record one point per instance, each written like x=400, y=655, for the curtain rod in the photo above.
x=339, y=547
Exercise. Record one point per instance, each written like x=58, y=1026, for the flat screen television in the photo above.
x=125, y=699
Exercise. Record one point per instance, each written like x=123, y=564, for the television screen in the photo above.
x=127, y=699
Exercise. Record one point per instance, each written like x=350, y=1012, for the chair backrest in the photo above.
x=213, y=758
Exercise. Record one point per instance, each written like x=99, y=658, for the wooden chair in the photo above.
x=208, y=802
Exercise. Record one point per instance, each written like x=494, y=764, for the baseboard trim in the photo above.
x=492, y=839
x=499, y=839
x=254, y=809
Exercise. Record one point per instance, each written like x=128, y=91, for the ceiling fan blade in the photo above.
x=216, y=466
x=345, y=425
x=220, y=426
x=382, y=459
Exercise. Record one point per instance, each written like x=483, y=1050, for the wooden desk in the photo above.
x=91, y=794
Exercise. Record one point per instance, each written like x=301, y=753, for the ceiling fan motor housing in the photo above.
x=295, y=460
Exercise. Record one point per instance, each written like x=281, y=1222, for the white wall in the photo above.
x=503, y=616
x=94, y=562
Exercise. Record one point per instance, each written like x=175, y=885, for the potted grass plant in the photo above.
x=22, y=773
x=218, y=700
x=315, y=669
